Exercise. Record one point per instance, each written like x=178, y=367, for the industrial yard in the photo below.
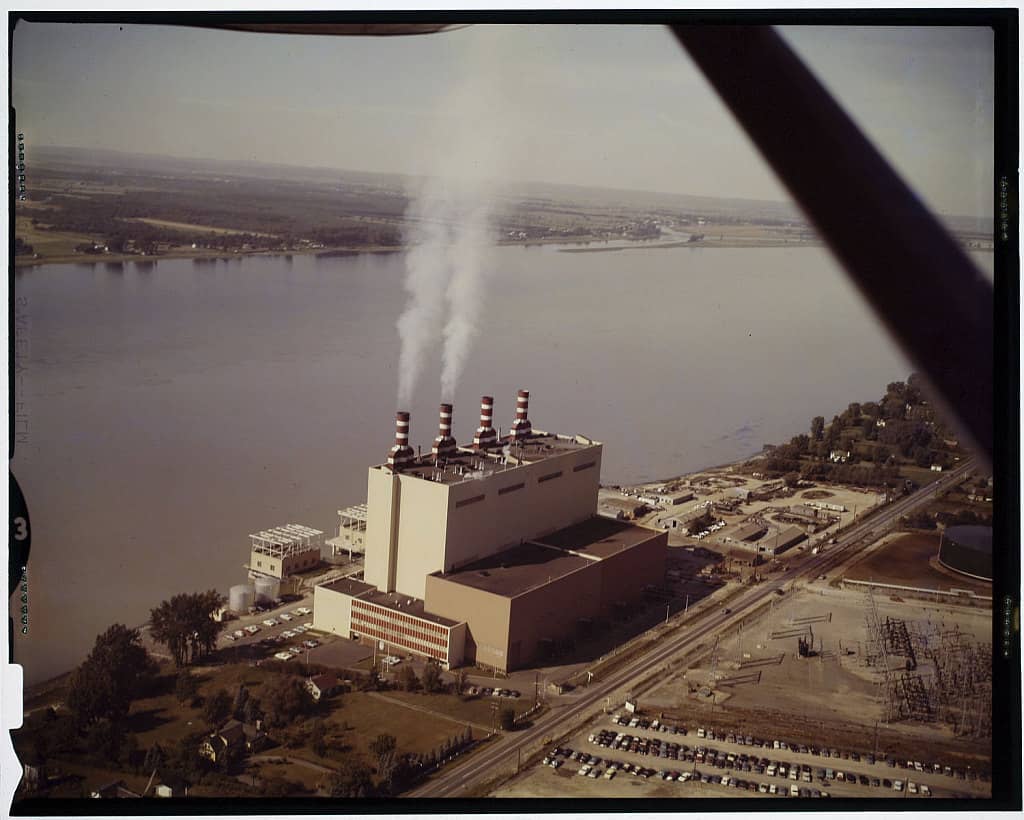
x=752, y=710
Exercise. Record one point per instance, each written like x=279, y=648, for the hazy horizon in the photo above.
x=612, y=107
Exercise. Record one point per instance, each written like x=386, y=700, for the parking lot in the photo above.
x=646, y=749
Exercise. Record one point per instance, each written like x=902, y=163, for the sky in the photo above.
x=602, y=106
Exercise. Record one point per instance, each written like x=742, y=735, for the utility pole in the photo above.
x=666, y=612
x=687, y=607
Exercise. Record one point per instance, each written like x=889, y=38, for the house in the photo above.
x=936, y=468
x=233, y=738
x=839, y=456
x=172, y=787
x=113, y=790
x=323, y=686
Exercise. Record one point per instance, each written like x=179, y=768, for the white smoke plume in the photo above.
x=451, y=228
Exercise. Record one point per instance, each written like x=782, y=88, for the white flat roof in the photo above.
x=286, y=534
x=356, y=511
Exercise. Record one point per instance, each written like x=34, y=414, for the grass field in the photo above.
x=187, y=226
x=919, y=475
x=48, y=243
x=475, y=709
x=905, y=561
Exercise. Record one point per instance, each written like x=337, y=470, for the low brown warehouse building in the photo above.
x=517, y=601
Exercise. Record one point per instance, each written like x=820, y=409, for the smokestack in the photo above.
x=401, y=453
x=521, y=427
x=444, y=443
x=485, y=435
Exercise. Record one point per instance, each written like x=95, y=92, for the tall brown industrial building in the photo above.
x=491, y=552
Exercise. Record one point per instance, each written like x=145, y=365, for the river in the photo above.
x=172, y=408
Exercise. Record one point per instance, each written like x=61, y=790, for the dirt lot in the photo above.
x=910, y=560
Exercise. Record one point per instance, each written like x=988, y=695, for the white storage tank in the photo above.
x=241, y=597
x=267, y=590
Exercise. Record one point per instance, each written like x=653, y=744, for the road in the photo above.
x=490, y=761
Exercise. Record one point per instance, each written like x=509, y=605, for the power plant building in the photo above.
x=488, y=552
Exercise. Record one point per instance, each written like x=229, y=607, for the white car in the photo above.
x=285, y=616
x=296, y=650
x=311, y=644
x=283, y=656
x=288, y=634
x=270, y=621
x=231, y=638
x=304, y=610
x=252, y=629
x=308, y=624
x=238, y=633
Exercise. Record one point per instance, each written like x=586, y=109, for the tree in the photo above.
x=507, y=718
x=431, y=676
x=241, y=698
x=186, y=687
x=284, y=699
x=318, y=738
x=116, y=671
x=185, y=625
x=251, y=712
x=817, y=427
x=791, y=479
x=460, y=681
x=382, y=745
x=353, y=780
x=155, y=758
x=130, y=748
x=217, y=708
x=407, y=679
x=105, y=737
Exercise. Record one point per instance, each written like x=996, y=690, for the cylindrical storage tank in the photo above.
x=967, y=549
x=241, y=597
x=267, y=590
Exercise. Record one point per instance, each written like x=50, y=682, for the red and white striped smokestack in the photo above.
x=401, y=453
x=444, y=443
x=485, y=435
x=521, y=427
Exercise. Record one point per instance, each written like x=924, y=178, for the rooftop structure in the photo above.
x=282, y=542
x=351, y=535
x=282, y=551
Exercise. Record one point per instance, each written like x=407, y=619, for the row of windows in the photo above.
x=433, y=652
x=398, y=630
x=400, y=617
x=513, y=487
